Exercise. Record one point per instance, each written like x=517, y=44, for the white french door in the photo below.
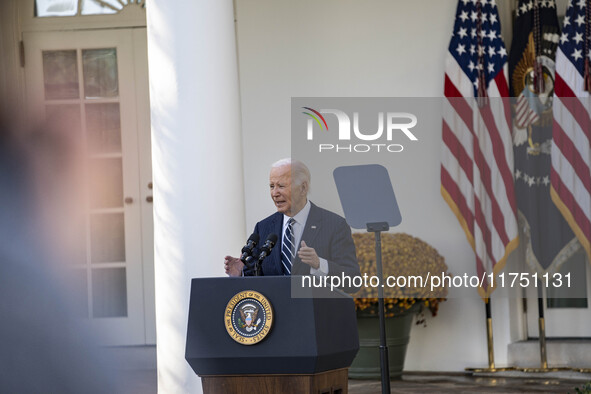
x=95, y=83
x=567, y=308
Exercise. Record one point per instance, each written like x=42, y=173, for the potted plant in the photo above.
x=404, y=257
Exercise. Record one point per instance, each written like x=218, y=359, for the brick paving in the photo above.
x=144, y=382
x=460, y=383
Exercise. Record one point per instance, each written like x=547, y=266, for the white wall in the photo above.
x=335, y=48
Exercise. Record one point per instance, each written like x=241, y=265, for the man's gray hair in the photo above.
x=299, y=171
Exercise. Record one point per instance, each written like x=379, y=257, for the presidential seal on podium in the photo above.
x=248, y=317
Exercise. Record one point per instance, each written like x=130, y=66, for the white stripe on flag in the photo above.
x=570, y=179
x=570, y=126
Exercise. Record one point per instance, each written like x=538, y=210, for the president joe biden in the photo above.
x=311, y=240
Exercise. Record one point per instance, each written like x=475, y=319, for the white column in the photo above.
x=197, y=163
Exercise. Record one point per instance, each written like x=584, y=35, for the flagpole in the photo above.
x=542, y=330
x=489, y=341
x=489, y=335
x=490, y=344
x=542, y=339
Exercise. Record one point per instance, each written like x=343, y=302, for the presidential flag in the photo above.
x=548, y=239
x=570, y=174
x=477, y=154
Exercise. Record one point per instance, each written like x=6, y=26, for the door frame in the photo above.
x=140, y=45
x=135, y=120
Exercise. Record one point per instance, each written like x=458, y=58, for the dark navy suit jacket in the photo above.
x=326, y=232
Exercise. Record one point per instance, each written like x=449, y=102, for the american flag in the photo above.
x=477, y=151
x=570, y=175
x=526, y=112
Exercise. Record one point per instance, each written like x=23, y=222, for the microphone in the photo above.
x=251, y=264
x=253, y=240
x=266, y=249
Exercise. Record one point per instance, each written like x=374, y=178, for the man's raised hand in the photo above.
x=233, y=266
x=308, y=255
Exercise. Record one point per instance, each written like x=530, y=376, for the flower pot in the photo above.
x=366, y=364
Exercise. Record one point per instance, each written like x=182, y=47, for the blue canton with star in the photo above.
x=572, y=39
x=464, y=43
x=524, y=8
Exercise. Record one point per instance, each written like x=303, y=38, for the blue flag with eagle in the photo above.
x=548, y=239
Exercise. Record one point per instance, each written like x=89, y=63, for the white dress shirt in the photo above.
x=299, y=225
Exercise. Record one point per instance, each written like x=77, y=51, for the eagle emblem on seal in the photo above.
x=248, y=317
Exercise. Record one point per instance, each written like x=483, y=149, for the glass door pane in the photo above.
x=573, y=294
x=44, y=8
x=106, y=179
x=103, y=127
x=60, y=74
x=109, y=292
x=107, y=238
x=100, y=73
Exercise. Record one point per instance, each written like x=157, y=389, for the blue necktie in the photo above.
x=287, y=247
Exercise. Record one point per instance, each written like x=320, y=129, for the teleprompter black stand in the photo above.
x=369, y=202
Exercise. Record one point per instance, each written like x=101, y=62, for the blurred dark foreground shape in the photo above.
x=42, y=347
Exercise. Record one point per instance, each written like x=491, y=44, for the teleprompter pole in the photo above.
x=369, y=202
x=377, y=229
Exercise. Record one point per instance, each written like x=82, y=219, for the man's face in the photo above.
x=287, y=201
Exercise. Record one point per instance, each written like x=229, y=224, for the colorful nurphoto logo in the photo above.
x=316, y=118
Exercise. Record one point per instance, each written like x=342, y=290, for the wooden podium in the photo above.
x=308, y=348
